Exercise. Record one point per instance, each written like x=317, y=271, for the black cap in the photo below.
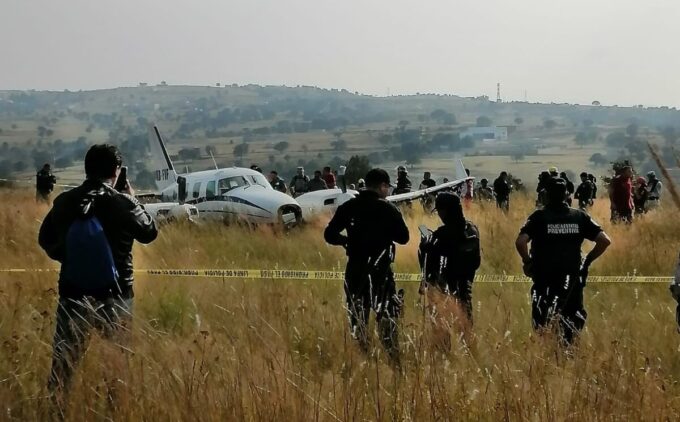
x=376, y=177
x=557, y=188
x=446, y=201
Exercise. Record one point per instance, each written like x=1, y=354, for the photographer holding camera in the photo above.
x=90, y=230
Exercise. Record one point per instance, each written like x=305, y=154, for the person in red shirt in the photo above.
x=329, y=178
x=621, y=196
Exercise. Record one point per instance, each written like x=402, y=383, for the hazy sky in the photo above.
x=616, y=51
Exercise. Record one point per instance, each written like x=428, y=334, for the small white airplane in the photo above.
x=234, y=193
x=329, y=200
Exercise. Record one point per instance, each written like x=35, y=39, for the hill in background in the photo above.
x=283, y=127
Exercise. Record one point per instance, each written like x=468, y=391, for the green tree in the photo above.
x=484, y=121
x=357, y=167
x=339, y=145
x=519, y=121
x=281, y=146
x=549, y=124
x=241, y=150
x=64, y=162
x=450, y=119
x=145, y=180
x=598, y=159
x=385, y=139
x=632, y=130
x=670, y=134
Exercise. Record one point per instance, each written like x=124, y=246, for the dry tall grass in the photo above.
x=207, y=349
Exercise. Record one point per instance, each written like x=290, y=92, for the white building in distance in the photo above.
x=497, y=133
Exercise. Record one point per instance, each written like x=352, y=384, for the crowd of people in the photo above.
x=631, y=196
x=301, y=183
x=91, y=229
x=549, y=245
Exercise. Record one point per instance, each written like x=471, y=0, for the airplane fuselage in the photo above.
x=235, y=194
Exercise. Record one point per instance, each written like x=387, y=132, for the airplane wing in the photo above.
x=410, y=196
x=461, y=177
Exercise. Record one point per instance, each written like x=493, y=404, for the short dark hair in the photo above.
x=101, y=161
x=274, y=172
x=317, y=172
x=327, y=168
x=376, y=177
x=557, y=191
x=584, y=174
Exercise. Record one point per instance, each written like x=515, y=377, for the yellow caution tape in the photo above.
x=339, y=275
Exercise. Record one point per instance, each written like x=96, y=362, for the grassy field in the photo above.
x=211, y=349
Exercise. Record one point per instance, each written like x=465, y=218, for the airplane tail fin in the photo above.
x=460, y=171
x=162, y=167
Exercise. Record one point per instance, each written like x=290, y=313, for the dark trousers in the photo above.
x=461, y=289
x=75, y=321
x=369, y=287
x=625, y=216
x=558, y=299
x=503, y=203
x=42, y=195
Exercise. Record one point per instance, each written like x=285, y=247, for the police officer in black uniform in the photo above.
x=451, y=255
x=556, y=233
x=372, y=225
x=584, y=193
x=403, y=182
x=44, y=183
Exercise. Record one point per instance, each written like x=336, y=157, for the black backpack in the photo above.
x=88, y=265
x=469, y=256
x=463, y=261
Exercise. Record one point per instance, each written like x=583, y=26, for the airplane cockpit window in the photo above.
x=229, y=183
x=259, y=179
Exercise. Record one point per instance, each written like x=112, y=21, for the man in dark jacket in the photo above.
x=502, y=188
x=44, y=183
x=277, y=182
x=449, y=258
x=584, y=193
x=123, y=221
x=372, y=225
x=299, y=184
x=403, y=182
x=570, y=187
x=554, y=263
x=317, y=182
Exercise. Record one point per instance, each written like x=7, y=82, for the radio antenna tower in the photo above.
x=498, y=93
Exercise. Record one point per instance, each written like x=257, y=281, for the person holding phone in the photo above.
x=113, y=221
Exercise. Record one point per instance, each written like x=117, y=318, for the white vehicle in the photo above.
x=330, y=199
x=234, y=193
